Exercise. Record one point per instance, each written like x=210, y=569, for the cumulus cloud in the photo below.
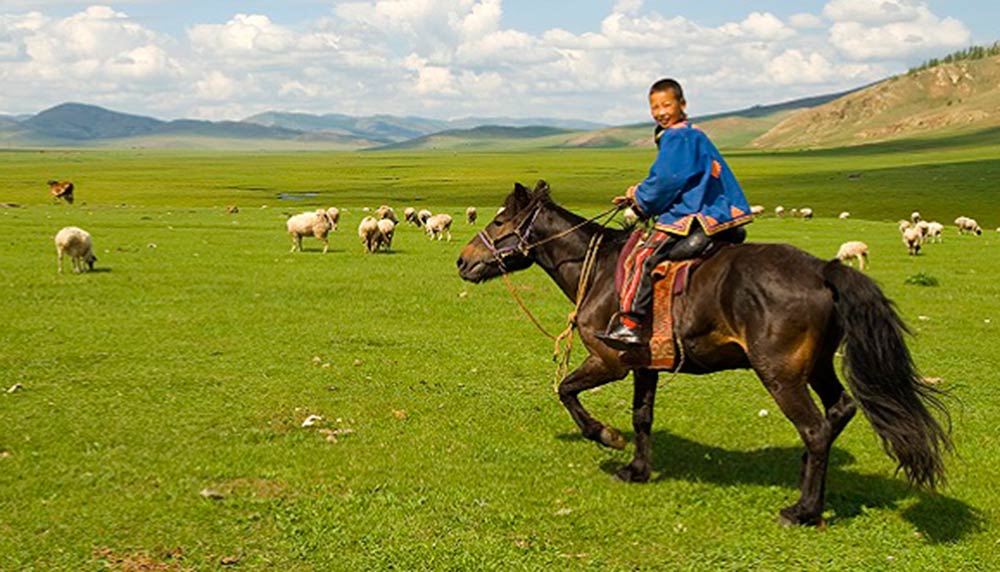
x=449, y=58
x=891, y=29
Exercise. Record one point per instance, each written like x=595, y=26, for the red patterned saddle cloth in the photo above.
x=670, y=278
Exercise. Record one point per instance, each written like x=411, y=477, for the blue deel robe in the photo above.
x=690, y=180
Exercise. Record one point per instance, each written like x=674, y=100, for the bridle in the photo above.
x=523, y=232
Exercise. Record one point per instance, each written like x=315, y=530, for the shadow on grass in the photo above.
x=939, y=518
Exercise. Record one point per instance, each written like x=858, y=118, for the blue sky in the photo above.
x=458, y=58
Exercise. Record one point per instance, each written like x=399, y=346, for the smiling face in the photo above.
x=666, y=108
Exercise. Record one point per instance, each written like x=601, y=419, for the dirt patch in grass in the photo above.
x=142, y=561
x=253, y=487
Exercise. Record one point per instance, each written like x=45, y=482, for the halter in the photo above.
x=522, y=232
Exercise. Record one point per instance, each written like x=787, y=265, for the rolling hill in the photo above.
x=941, y=100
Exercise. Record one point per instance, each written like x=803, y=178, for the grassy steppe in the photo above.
x=191, y=359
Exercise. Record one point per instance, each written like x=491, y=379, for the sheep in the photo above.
x=965, y=223
x=794, y=212
x=438, y=226
x=915, y=217
x=410, y=216
x=629, y=217
x=232, y=209
x=386, y=230
x=757, y=210
x=904, y=224
x=79, y=245
x=471, y=215
x=934, y=230
x=333, y=213
x=386, y=212
x=854, y=249
x=422, y=217
x=924, y=228
x=911, y=238
x=63, y=190
x=779, y=211
x=844, y=215
x=806, y=213
x=316, y=223
x=369, y=233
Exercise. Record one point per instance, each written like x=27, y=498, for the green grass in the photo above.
x=192, y=364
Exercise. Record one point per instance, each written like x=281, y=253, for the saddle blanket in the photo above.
x=669, y=279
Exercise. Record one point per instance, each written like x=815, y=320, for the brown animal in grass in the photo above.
x=63, y=190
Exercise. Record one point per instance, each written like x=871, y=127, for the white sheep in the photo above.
x=911, y=238
x=934, y=230
x=806, y=213
x=844, y=215
x=316, y=223
x=779, y=211
x=966, y=224
x=438, y=226
x=471, y=215
x=854, y=249
x=386, y=230
x=904, y=224
x=410, y=215
x=757, y=210
x=422, y=217
x=915, y=217
x=629, y=217
x=369, y=233
x=386, y=212
x=333, y=213
x=79, y=245
x=924, y=228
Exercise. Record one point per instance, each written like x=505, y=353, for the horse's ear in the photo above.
x=521, y=195
x=541, y=190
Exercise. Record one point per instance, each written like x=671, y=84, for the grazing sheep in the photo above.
x=438, y=226
x=934, y=230
x=915, y=217
x=369, y=233
x=316, y=223
x=232, y=209
x=854, y=249
x=757, y=210
x=63, y=190
x=77, y=243
x=779, y=211
x=844, y=215
x=386, y=230
x=629, y=217
x=911, y=238
x=806, y=213
x=966, y=224
x=410, y=216
x=794, y=212
x=422, y=217
x=333, y=213
x=904, y=224
x=924, y=228
x=471, y=215
x=386, y=212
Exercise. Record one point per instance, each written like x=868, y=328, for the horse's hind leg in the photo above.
x=592, y=373
x=642, y=422
x=839, y=405
x=792, y=395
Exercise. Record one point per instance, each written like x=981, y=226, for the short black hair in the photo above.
x=668, y=84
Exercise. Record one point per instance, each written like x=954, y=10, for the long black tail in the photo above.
x=882, y=377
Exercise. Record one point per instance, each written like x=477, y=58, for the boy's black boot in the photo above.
x=623, y=334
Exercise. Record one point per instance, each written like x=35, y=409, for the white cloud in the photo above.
x=805, y=20
x=905, y=30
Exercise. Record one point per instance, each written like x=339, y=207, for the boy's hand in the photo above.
x=626, y=199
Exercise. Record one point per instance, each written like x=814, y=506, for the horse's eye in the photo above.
x=497, y=223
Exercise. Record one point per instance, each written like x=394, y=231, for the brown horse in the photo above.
x=769, y=307
x=63, y=190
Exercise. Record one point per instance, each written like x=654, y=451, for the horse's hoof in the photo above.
x=792, y=516
x=611, y=437
x=632, y=474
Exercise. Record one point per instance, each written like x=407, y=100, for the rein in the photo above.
x=561, y=353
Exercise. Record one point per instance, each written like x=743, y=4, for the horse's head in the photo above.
x=504, y=244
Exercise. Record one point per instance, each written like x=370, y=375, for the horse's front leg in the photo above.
x=642, y=422
x=593, y=372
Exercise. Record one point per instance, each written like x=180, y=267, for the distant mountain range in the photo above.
x=955, y=96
